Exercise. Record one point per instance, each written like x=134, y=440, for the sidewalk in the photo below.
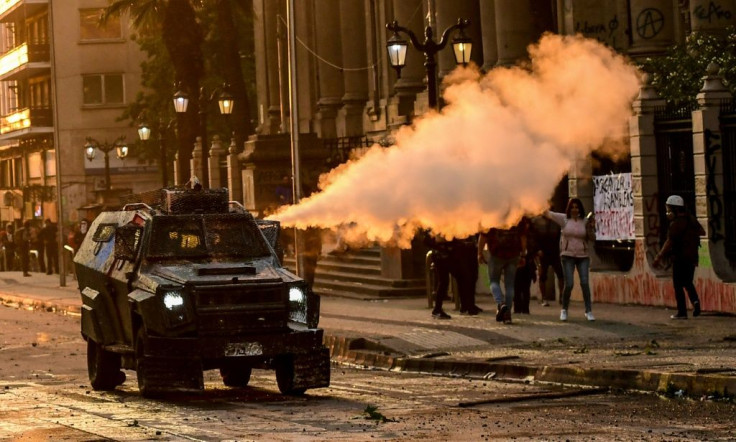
x=630, y=347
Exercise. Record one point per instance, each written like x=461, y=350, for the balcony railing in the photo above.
x=25, y=119
x=24, y=54
x=11, y=6
x=6, y=5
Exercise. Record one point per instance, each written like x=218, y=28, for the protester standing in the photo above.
x=454, y=258
x=48, y=236
x=9, y=246
x=507, y=249
x=546, y=235
x=23, y=243
x=526, y=272
x=38, y=245
x=576, y=231
x=683, y=240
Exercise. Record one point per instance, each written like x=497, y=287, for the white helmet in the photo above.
x=675, y=200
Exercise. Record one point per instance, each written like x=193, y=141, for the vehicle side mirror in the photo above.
x=127, y=242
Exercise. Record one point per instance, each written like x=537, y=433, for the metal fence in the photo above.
x=728, y=144
x=340, y=149
x=675, y=170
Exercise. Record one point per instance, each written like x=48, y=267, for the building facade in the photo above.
x=348, y=96
x=64, y=78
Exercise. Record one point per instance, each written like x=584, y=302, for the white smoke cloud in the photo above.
x=496, y=150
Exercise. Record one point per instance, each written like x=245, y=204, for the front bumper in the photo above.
x=261, y=346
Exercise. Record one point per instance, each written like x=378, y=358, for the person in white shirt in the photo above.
x=576, y=232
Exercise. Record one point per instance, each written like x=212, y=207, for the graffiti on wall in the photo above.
x=715, y=202
x=711, y=12
x=653, y=227
x=604, y=30
x=649, y=23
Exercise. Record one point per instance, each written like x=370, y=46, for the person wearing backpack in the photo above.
x=683, y=240
x=577, y=230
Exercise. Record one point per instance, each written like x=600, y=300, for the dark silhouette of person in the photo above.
x=9, y=244
x=23, y=243
x=49, y=237
x=546, y=234
x=455, y=258
x=683, y=240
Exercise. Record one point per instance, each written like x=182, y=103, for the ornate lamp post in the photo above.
x=396, y=46
x=121, y=151
x=144, y=133
x=225, y=102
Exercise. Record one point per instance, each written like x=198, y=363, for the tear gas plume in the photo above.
x=495, y=151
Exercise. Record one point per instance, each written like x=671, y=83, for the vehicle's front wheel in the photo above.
x=145, y=385
x=236, y=376
x=285, y=377
x=103, y=367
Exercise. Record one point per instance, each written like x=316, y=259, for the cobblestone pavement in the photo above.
x=628, y=346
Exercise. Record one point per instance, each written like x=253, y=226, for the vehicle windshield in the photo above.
x=206, y=236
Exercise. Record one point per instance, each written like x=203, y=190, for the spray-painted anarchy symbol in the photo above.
x=649, y=23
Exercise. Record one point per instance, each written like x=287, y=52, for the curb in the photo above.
x=353, y=352
x=50, y=305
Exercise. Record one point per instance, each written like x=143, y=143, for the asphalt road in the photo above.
x=45, y=395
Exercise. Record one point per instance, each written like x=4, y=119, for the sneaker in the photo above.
x=563, y=315
x=507, y=317
x=441, y=315
x=544, y=304
x=678, y=317
x=501, y=312
x=589, y=316
x=472, y=311
x=696, y=309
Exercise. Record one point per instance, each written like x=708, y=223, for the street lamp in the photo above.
x=121, y=151
x=396, y=46
x=144, y=133
x=225, y=102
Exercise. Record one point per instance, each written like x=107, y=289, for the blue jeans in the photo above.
x=507, y=266
x=568, y=266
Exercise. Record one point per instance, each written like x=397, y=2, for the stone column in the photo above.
x=329, y=48
x=708, y=166
x=234, y=174
x=513, y=31
x=267, y=15
x=448, y=11
x=196, y=163
x=354, y=58
x=488, y=29
x=215, y=155
x=644, y=182
x=652, y=27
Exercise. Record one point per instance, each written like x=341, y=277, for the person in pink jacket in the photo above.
x=576, y=233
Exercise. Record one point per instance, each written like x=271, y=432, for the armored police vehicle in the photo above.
x=182, y=281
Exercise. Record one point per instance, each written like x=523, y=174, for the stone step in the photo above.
x=331, y=287
x=323, y=275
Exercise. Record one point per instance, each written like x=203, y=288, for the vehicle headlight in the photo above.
x=296, y=294
x=173, y=300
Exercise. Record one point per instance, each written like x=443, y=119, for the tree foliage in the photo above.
x=678, y=75
x=193, y=44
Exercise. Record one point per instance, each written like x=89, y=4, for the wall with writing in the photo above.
x=712, y=15
x=603, y=21
x=613, y=205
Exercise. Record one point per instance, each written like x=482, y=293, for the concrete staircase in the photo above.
x=357, y=274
